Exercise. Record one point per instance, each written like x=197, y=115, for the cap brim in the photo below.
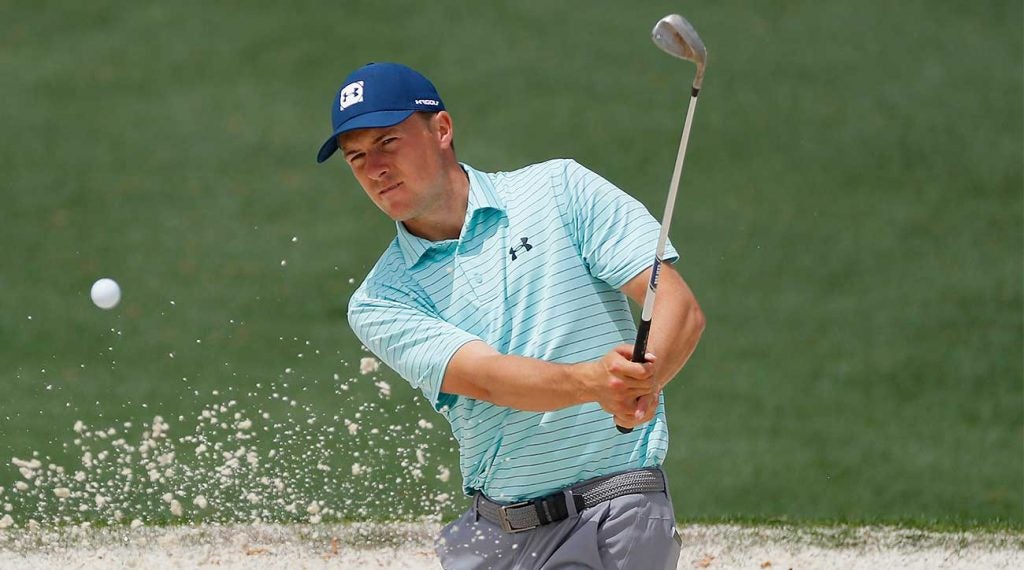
x=374, y=120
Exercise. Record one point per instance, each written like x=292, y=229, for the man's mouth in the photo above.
x=389, y=188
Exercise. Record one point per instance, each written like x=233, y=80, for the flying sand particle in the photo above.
x=368, y=365
x=31, y=464
x=150, y=466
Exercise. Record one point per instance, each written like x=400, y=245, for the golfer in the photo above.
x=504, y=299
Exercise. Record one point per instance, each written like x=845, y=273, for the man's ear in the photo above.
x=444, y=129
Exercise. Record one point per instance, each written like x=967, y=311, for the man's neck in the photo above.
x=446, y=221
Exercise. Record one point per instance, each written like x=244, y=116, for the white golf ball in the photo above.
x=106, y=293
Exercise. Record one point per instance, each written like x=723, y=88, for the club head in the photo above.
x=675, y=36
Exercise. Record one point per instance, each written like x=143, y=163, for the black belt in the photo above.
x=530, y=514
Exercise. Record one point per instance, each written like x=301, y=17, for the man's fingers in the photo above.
x=645, y=406
x=634, y=370
x=626, y=420
x=632, y=392
x=629, y=389
x=625, y=383
x=625, y=351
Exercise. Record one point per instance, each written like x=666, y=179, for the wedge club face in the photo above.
x=675, y=36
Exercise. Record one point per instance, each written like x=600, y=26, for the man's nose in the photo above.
x=376, y=166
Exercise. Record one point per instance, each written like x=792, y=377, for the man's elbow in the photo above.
x=694, y=319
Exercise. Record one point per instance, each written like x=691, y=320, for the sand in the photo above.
x=408, y=546
x=126, y=478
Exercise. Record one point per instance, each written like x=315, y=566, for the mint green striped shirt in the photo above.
x=536, y=272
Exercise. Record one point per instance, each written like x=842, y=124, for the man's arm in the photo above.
x=675, y=330
x=479, y=371
x=677, y=324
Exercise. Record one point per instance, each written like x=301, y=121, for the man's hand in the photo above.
x=623, y=388
x=646, y=407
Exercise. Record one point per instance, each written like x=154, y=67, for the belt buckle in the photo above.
x=506, y=525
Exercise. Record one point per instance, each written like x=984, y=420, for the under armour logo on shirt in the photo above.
x=519, y=248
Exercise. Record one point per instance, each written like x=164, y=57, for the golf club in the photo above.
x=675, y=36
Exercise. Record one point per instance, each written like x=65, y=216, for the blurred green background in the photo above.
x=850, y=219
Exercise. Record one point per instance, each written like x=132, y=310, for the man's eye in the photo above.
x=388, y=140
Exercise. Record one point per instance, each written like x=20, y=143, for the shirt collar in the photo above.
x=482, y=196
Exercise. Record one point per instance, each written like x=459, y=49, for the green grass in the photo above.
x=936, y=525
x=850, y=219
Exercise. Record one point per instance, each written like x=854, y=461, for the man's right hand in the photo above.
x=622, y=387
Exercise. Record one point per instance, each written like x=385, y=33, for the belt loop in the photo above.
x=664, y=480
x=476, y=506
x=570, y=503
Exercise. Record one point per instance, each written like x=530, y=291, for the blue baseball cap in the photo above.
x=378, y=95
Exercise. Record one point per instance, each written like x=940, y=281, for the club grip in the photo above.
x=639, y=352
x=640, y=346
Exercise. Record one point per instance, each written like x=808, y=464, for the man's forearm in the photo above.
x=676, y=329
x=518, y=382
x=479, y=371
x=677, y=324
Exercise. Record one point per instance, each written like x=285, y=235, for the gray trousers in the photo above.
x=630, y=532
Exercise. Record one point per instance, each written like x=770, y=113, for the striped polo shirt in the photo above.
x=535, y=272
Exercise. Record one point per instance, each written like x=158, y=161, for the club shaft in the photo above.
x=640, y=347
x=644, y=330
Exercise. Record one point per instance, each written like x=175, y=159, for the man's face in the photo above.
x=400, y=167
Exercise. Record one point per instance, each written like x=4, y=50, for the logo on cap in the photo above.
x=350, y=95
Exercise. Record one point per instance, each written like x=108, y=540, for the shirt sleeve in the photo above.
x=615, y=234
x=408, y=337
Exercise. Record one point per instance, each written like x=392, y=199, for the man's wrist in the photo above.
x=578, y=375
